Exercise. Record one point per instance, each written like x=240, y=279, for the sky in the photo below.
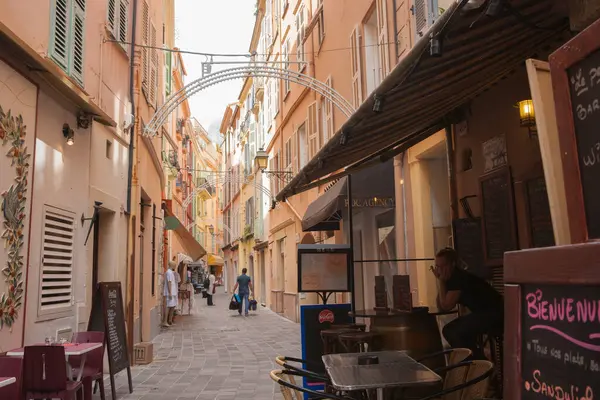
x=221, y=26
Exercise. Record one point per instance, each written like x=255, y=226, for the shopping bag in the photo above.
x=253, y=304
x=234, y=304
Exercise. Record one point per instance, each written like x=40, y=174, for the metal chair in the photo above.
x=93, y=370
x=330, y=338
x=286, y=387
x=45, y=374
x=12, y=367
x=360, y=342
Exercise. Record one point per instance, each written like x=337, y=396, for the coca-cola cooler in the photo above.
x=314, y=319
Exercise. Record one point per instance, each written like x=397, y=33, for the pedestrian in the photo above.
x=211, y=289
x=457, y=286
x=244, y=286
x=169, y=292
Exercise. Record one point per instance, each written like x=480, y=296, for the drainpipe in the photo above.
x=131, y=98
x=131, y=228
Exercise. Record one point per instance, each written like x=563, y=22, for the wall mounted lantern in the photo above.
x=69, y=134
x=527, y=116
x=261, y=161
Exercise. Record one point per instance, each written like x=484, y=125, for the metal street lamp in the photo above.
x=261, y=161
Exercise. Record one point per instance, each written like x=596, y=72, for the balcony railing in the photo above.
x=210, y=188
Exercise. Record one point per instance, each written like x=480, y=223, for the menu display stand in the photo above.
x=107, y=316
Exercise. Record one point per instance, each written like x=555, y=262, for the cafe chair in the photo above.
x=284, y=362
x=361, y=327
x=93, y=370
x=288, y=388
x=476, y=385
x=330, y=338
x=45, y=375
x=11, y=367
x=361, y=342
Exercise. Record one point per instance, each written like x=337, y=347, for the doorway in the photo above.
x=263, y=280
x=141, y=285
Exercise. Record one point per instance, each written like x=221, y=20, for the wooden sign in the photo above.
x=552, y=323
x=498, y=215
x=381, y=297
x=402, y=293
x=538, y=213
x=468, y=243
x=576, y=83
x=107, y=316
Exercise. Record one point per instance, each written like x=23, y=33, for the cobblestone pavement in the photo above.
x=214, y=354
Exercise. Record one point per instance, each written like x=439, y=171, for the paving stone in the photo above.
x=213, y=354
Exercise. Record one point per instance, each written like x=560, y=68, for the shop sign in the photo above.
x=386, y=202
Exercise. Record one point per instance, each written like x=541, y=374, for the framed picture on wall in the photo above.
x=494, y=153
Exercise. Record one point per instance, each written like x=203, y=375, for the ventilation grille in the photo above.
x=57, y=259
x=143, y=353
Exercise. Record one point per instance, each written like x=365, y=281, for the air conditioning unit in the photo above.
x=143, y=353
x=127, y=121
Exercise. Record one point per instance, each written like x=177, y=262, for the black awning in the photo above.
x=422, y=90
x=324, y=214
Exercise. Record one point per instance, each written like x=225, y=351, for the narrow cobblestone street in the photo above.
x=214, y=354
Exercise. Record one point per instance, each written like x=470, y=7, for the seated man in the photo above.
x=457, y=286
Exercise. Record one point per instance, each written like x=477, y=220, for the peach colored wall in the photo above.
x=492, y=114
x=61, y=179
x=25, y=105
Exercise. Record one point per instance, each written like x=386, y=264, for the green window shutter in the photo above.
x=168, y=74
x=78, y=40
x=111, y=17
x=59, y=35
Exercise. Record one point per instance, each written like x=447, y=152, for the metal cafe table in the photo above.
x=395, y=369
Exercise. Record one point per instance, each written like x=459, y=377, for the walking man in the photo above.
x=170, y=290
x=244, y=284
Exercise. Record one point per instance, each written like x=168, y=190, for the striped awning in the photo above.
x=420, y=95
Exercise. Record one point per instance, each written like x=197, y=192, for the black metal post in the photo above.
x=153, y=249
x=351, y=240
x=95, y=250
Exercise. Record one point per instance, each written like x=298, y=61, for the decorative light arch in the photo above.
x=248, y=71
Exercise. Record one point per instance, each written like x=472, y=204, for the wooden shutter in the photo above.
x=123, y=21
x=295, y=150
x=384, y=59
x=300, y=37
x=420, y=13
x=145, y=42
x=78, y=40
x=60, y=33
x=329, y=112
x=356, y=67
x=153, y=66
x=313, y=130
x=111, y=18
x=56, y=278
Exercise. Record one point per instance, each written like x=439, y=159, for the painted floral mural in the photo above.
x=12, y=137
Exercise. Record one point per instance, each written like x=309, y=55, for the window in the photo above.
x=117, y=19
x=67, y=36
x=153, y=66
x=321, y=23
x=275, y=98
x=425, y=12
x=287, y=155
x=168, y=73
x=146, y=42
x=56, y=275
x=328, y=125
x=302, y=144
x=356, y=67
x=286, y=66
x=313, y=130
x=382, y=39
x=300, y=28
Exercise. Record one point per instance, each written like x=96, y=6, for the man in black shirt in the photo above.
x=457, y=286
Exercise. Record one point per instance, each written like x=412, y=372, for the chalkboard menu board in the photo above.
x=584, y=86
x=538, y=209
x=497, y=203
x=468, y=244
x=560, y=341
x=107, y=316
